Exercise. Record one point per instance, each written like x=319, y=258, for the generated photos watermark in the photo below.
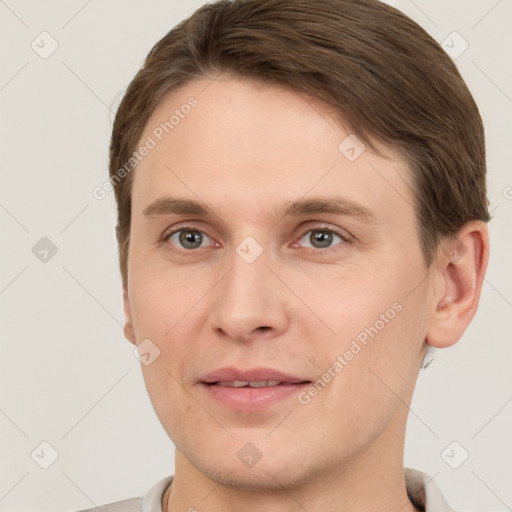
x=151, y=142
x=356, y=346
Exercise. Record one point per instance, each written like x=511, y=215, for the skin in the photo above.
x=244, y=151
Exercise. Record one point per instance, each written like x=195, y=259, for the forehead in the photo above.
x=232, y=142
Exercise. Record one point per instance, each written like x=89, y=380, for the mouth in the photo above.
x=252, y=389
x=250, y=384
x=256, y=377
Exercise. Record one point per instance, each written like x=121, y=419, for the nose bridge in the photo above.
x=246, y=281
x=248, y=297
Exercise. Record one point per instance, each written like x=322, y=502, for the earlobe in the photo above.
x=129, y=333
x=462, y=264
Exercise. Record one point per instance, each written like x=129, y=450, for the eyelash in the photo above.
x=344, y=237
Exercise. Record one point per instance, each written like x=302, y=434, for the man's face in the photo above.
x=307, y=262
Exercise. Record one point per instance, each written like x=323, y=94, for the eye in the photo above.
x=321, y=238
x=188, y=239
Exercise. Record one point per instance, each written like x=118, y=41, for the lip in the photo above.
x=250, y=374
x=247, y=398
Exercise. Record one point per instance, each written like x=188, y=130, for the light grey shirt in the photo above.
x=421, y=489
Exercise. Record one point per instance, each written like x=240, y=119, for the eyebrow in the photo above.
x=337, y=206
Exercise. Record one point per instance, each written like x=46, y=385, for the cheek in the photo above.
x=169, y=308
x=379, y=328
x=164, y=300
x=354, y=303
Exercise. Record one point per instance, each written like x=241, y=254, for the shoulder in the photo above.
x=151, y=502
x=130, y=505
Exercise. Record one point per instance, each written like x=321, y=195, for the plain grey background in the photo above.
x=68, y=376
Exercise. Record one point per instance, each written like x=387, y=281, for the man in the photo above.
x=301, y=214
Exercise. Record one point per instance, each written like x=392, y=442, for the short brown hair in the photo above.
x=380, y=70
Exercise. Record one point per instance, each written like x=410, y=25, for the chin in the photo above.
x=274, y=470
x=264, y=478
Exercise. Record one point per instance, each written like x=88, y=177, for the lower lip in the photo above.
x=252, y=399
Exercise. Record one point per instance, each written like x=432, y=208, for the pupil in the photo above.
x=321, y=238
x=190, y=239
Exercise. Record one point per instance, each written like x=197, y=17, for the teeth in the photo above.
x=252, y=384
x=258, y=384
x=234, y=383
x=264, y=383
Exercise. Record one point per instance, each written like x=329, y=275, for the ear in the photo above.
x=462, y=262
x=129, y=333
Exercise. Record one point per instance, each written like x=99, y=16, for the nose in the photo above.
x=250, y=302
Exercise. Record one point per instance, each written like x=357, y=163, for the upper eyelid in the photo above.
x=338, y=231
x=321, y=225
x=187, y=225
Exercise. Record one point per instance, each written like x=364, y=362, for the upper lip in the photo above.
x=250, y=375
